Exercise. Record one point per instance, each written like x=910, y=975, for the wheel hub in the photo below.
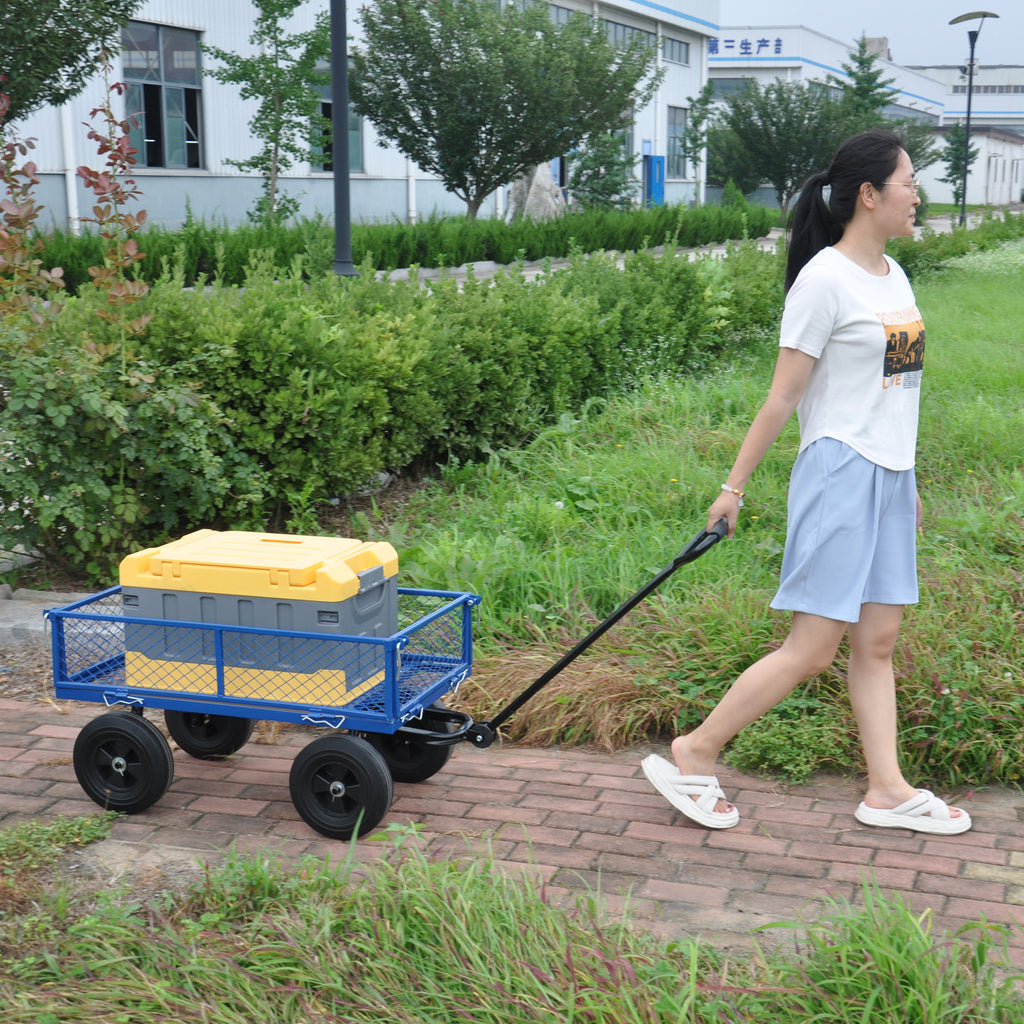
x=119, y=765
x=337, y=790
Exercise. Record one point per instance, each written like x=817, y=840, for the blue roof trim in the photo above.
x=677, y=14
x=813, y=63
x=983, y=113
x=775, y=60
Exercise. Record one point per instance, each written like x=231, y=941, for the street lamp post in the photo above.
x=972, y=37
x=343, y=265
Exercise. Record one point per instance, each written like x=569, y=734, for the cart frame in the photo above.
x=341, y=783
x=103, y=679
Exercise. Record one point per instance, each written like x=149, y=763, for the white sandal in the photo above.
x=922, y=813
x=692, y=795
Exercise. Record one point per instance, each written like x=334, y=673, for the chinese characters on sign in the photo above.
x=745, y=47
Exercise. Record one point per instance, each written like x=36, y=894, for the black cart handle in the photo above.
x=483, y=733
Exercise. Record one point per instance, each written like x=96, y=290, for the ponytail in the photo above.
x=828, y=199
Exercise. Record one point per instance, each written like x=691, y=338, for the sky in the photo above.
x=918, y=33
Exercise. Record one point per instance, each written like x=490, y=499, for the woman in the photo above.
x=850, y=363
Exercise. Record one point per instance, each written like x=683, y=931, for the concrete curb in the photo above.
x=21, y=612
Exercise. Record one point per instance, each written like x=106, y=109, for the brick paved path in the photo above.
x=579, y=819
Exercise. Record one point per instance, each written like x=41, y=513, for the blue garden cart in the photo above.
x=341, y=783
x=379, y=698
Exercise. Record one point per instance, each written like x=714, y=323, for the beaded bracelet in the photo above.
x=733, y=490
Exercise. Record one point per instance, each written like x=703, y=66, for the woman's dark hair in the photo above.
x=816, y=221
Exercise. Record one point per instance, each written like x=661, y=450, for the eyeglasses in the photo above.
x=914, y=185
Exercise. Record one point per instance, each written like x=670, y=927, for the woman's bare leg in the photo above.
x=872, y=687
x=810, y=648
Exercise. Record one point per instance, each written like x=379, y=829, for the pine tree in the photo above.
x=865, y=96
x=865, y=92
x=953, y=156
x=602, y=173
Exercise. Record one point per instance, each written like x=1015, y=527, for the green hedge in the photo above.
x=240, y=406
x=244, y=406
x=922, y=255
x=202, y=250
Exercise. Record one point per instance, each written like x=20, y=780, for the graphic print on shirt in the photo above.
x=904, y=348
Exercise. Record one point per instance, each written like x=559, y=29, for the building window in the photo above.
x=623, y=35
x=163, y=95
x=322, y=159
x=723, y=88
x=675, y=157
x=675, y=50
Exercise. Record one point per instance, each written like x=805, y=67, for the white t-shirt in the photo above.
x=868, y=339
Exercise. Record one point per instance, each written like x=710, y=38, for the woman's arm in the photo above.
x=792, y=371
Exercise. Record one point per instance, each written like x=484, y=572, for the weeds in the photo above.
x=34, y=898
x=882, y=962
x=557, y=534
x=410, y=939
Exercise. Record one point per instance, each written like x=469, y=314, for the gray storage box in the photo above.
x=329, y=586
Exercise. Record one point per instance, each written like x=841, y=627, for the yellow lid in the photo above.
x=280, y=565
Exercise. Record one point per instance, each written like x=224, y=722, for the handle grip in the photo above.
x=702, y=542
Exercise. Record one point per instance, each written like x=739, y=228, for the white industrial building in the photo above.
x=194, y=124
x=935, y=94
x=997, y=131
x=795, y=53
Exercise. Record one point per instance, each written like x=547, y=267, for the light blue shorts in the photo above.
x=851, y=534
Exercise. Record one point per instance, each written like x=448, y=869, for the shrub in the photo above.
x=103, y=459
x=919, y=256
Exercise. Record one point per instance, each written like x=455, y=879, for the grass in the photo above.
x=554, y=537
x=410, y=939
x=558, y=534
x=35, y=899
x=942, y=209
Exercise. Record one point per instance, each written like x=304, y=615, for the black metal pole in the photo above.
x=343, y=265
x=973, y=37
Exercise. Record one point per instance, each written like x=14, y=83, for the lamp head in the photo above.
x=974, y=14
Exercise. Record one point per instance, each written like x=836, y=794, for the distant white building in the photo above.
x=191, y=124
x=795, y=53
x=997, y=94
x=933, y=95
x=997, y=131
x=996, y=177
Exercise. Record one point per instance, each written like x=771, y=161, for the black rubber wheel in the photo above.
x=208, y=737
x=340, y=786
x=123, y=762
x=409, y=758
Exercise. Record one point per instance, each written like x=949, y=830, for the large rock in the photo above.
x=536, y=196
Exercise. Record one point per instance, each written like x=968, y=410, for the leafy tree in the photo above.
x=602, y=175
x=729, y=160
x=478, y=92
x=282, y=74
x=698, y=123
x=50, y=48
x=953, y=155
x=784, y=132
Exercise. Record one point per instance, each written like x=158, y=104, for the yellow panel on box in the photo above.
x=145, y=673
x=325, y=687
